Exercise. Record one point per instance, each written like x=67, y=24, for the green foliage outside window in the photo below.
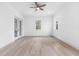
x=38, y=25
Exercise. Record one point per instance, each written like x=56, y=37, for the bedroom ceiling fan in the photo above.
x=38, y=6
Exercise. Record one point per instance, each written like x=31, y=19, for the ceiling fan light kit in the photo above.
x=37, y=8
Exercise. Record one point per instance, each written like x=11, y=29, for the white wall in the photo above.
x=68, y=19
x=6, y=24
x=30, y=27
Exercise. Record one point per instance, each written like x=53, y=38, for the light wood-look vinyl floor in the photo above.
x=38, y=46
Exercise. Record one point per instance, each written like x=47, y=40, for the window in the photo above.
x=56, y=25
x=15, y=28
x=38, y=24
x=20, y=27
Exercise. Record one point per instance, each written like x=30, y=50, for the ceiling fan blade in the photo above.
x=41, y=8
x=36, y=4
x=33, y=7
x=42, y=5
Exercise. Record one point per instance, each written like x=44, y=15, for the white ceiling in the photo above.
x=24, y=8
x=50, y=8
